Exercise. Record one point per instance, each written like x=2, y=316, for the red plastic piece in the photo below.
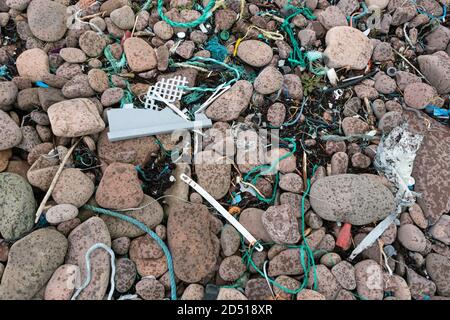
x=125, y=37
x=344, y=237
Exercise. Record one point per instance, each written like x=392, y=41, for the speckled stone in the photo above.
x=286, y=165
x=287, y=262
x=111, y=96
x=72, y=55
x=136, y=151
x=419, y=95
x=83, y=237
x=255, y=53
x=369, y=280
x=62, y=283
x=191, y=242
x=268, y=81
x=10, y=133
x=151, y=215
x=78, y=87
x=98, y=80
x=344, y=273
x=412, y=238
x=232, y=268
x=251, y=219
x=8, y=93
x=73, y=187
x=258, y=289
x=125, y=274
x=287, y=282
x=47, y=19
x=281, y=224
x=276, y=114
x=339, y=163
x=17, y=206
x=32, y=261
x=140, y=55
x=92, y=44
x=75, y=118
x=5, y=155
x=61, y=213
x=351, y=198
x=352, y=125
x=230, y=240
x=308, y=294
x=121, y=245
x=213, y=173
x=150, y=289
x=232, y=103
x=33, y=64
x=230, y=294
x=347, y=47
x=419, y=285
x=438, y=267
x=326, y=282
x=193, y=291
x=120, y=187
x=431, y=167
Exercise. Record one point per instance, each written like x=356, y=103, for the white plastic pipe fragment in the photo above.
x=222, y=211
x=373, y=235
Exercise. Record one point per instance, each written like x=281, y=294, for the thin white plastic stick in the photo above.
x=222, y=211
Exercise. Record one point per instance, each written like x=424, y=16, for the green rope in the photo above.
x=146, y=5
x=115, y=66
x=202, y=62
x=304, y=251
x=297, y=57
x=218, y=51
x=140, y=225
x=206, y=13
x=269, y=170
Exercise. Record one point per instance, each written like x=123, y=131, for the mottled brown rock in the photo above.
x=438, y=267
x=120, y=187
x=287, y=262
x=251, y=219
x=125, y=274
x=230, y=105
x=213, y=173
x=32, y=261
x=62, y=283
x=431, y=166
x=344, y=273
x=10, y=133
x=355, y=199
x=281, y=224
x=140, y=55
x=369, y=280
x=47, y=19
x=74, y=118
x=255, y=53
x=82, y=238
x=191, y=242
x=73, y=187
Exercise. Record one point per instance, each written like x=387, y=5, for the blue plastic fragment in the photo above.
x=42, y=84
x=437, y=112
x=236, y=199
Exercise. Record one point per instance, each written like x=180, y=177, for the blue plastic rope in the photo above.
x=140, y=225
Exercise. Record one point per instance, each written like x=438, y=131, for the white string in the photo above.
x=267, y=278
x=88, y=269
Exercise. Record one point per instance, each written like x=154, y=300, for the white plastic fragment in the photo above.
x=332, y=76
x=373, y=235
x=222, y=211
x=395, y=158
x=203, y=28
